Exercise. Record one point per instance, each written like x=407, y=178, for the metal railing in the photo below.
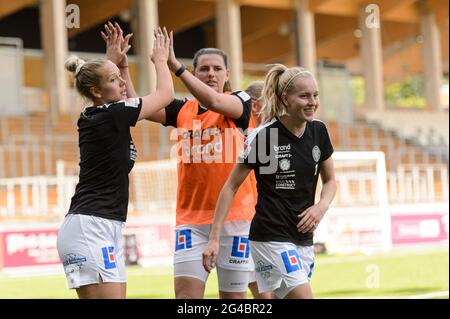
x=48, y=197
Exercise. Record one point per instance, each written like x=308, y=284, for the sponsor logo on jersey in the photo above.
x=291, y=260
x=285, y=164
x=282, y=148
x=316, y=153
x=132, y=102
x=133, y=151
x=108, y=257
x=241, y=248
x=184, y=239
x=244, y=96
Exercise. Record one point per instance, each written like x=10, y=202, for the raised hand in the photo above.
x=172, y=62
x=117, y=45
x=161, y=45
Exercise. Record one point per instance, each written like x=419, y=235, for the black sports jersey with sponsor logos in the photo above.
x=175, y=106
x=107, y=155
x=287, y=168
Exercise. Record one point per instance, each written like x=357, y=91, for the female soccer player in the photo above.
x=209, y=128
x=90, y=237
x=288, y=153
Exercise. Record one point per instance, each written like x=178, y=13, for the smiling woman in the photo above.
x=90, y=238
x=281, y=232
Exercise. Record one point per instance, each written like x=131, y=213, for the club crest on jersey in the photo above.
x=285, y=164
x=108, y=257
x=316, y=153
x=291, y=260
x=184, y=239
x=241, y=248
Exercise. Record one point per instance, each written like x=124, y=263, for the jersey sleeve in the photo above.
x=126, y=112
x=246, y=100
x=326, y=144
x=172, y=111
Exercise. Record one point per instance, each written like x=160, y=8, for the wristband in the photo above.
x=180, y=70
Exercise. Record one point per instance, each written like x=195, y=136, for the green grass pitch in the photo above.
x=396, y=274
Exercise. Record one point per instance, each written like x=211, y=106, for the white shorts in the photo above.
x=252, y=277
x=234, y=263
x=281, y=266
x=89, y=247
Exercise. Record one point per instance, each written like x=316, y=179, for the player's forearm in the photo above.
x=222, y=208
x=164, y=83
x=206, y=96
x=327, y=194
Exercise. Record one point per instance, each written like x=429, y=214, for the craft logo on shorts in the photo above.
x=109, y=258
x=291, y=260
x=184, y=239
x=241, y=248
x=316, y=153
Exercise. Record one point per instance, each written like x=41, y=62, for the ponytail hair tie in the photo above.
x=78, y=68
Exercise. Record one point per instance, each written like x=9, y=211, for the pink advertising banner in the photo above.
x=28, y=248
x=419, y=228
x=144, y=243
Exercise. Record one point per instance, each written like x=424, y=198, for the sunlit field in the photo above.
x=395, y=275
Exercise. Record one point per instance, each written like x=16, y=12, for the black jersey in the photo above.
x=107, y=155
x=287, y=168
x=175, y=106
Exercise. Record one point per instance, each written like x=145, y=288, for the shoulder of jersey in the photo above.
x=243, y=95
x=318, y=122
x=251, y=136
x=131, y=102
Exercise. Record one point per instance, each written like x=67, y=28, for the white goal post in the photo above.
x=359, y=219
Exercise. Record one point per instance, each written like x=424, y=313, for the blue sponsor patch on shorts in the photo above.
x=109, y=257
x=291, y=260
x=241, y=247
x=184, y=239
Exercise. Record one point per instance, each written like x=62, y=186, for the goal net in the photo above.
x=359, y=219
